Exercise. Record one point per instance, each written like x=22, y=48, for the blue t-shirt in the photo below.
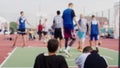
x=22, y=21
x=94, y=28
x=68, y=15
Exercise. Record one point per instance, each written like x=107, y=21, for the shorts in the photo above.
x=39, y=32
x=21, y=31
x=69, y=33
x=52, y=33
x=6, y=32
x=58, y=33
x=44, y=32
x=95, y=36
x=81, y=35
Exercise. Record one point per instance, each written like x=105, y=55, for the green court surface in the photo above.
x=25, y=57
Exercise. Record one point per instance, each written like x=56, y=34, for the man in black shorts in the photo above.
x=21, y=28
x=58, y=24
x=51, y=60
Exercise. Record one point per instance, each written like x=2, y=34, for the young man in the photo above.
x=52, y=30
x=58, y=25
x=51, y=60
x=45, y=31
x=68, y=17
x=82, y=58
x=21, y=28
x=94, y=30
x=94, y=60
x=82, y=31
x=6, y=31
x=40, y=27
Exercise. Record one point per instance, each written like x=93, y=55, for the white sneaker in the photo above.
x=66, y=52
x=60, y=51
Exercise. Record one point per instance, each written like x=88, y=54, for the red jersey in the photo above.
x=40, y=27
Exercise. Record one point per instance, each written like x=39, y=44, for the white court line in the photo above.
x=107, y=57
x=9, y=55
x=72, y=47
x=108, y=66
x=109, y=49
x=69, y=66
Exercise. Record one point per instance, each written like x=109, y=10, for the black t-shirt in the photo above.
x=94, y=60
x=53, y=61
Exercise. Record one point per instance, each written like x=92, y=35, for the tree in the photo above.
x=13, y=27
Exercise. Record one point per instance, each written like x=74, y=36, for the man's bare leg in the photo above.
x=15, y=40
x=24, y=40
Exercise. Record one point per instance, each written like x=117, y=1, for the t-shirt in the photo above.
x=81, y=60
x=40, y=27
x=83, y=25
x=53, y=61
x=22, y=21
x=94, y=60
x=45, y=28
x=68, y=15
x=58, y=21
x=94, y=27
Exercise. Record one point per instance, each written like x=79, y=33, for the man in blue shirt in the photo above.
x=21, y=28
x=68, y=25
x=94, y=31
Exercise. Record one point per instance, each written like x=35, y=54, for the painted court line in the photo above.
x=10, y=54
x=109, y=49
x=69, y=66
x=107, y=57
x=73, y=47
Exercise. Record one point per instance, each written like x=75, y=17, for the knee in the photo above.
x=73, y=39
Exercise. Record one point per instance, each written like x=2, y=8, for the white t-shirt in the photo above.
x=45, y=28
x=83, y=25
x=58, y=21
x=81, y=60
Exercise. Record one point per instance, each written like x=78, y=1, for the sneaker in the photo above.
x=78, y=47
x=60, y=51
x=81, y=50
x=67, y=53
x=66, y=56
x=99, y=43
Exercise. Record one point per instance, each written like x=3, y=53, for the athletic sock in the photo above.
x=68, y=47
x=71, y=43
x=60, y=49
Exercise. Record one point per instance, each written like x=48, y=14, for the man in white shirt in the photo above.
x=58, y=25
x=82, y=32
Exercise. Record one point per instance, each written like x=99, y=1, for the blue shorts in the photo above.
x=95, y=36
x=81, y=35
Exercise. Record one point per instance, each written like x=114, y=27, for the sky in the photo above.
x=10, y=9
